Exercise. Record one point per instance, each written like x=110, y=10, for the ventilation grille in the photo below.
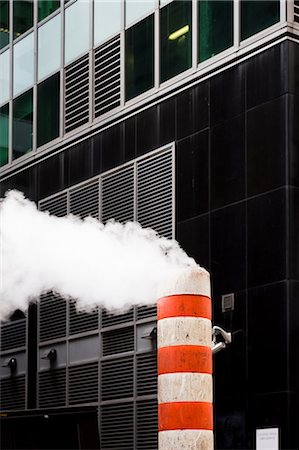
x=147, y=425
x=296, y=11
x=83, y=383
x=118, y=341
x=147, y=374
x=84, y=201
x=13, y=334
x=109, y=319
x=117, y=378
x=52, y=388
x=155, y=193
x=12, y=395
x=107, y=77
x=118, y=195
x=52, y=317
x=80, y=322
x=117, y=427
x=77, y=94
x=146, y=311
x=56, y=206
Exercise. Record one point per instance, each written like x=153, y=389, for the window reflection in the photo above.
x=23, y=64
x=176, y=38
x=49, y=36
x=140, y=58
x=136, y=9
x=4, y=123
x=46, y=7
x=22, y=16
x=258, y=15
x=4, y=23
x=107, y=19
x=22, y=125
x=48, y=110
x=215, y=27
x=4, y=76
x=76, y=29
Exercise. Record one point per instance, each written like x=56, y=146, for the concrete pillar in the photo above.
x=185, y=364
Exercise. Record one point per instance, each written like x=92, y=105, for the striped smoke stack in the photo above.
x=185, y=384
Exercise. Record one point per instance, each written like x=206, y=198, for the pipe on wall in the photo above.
x=185, y=385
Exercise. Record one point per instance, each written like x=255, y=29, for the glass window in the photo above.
x=22, y=125
x=76, y=29
x=107, y=19
x=46, y=7
x=215, y=27
x=22, y=16
x=258, y=15
x=4, y=121
x=48, y=110
x=140, y=57
x=23, y=64
x=4, y=23
x=176, y=38
x=49, y=36
x=136, y=9
x=4, y=76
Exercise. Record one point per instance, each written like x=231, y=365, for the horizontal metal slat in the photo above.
x=118, y=341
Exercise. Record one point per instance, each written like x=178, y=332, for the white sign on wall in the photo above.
x=267, y=439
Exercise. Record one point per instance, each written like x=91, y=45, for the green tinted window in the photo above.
x=22, y=16
x=22, y=125
x=176, y=38
x=140, y=58
x=4, y=135
x=215, y=27
x=4, y=23
x=48, y=110
x=46, y=7
x=258, y=15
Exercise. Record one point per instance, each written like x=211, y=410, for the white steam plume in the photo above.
x=113, y=265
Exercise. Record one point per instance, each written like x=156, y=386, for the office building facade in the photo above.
x=180, y=115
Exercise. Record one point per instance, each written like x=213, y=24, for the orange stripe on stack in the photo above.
x=186, y=367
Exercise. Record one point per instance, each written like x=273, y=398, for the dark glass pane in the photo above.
x=215, y=27
x=48, y=110
x=46, y=7
x=176, y=39
x=140, y=58
x=22, y=16
x=22, y=125
x=4, y=135
x=258, y=15
x=4, y=23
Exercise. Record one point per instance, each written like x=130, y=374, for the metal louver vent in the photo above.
x=83, y=383
x=107, y=77
x=12, y=394
x=118, y=341
x=147, y=374
x=155, y=193
x=13, y=334
x=117, y=426
x=117, y=378
x=118, y=195
x=296, y=11
x=77, y=94
x=52, y=388
x=84, y=201
x=147, y=425
x=109, y=319
x=56, y=205
x=146, y=311
x=52, y=317
x=80, y=322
